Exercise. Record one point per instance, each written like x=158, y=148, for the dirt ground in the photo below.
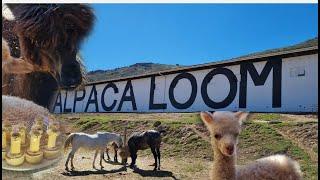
x=171, y=168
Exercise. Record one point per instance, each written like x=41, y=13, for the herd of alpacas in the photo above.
x=42, y=47
x=100, y=141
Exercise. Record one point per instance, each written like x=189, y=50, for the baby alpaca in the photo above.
x=113, y=146
x=224, y=128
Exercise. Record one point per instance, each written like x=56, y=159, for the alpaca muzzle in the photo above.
x=71, y=75
x=230, y=149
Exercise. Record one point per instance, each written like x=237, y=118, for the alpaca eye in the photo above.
x=217, y=136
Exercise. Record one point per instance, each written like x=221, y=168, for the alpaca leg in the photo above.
x=72, y=167
x=72, y=156
x=104, y=156
x=101, y=155
x=67, y=162
x=133, y=155
x=107, y=151
x=158, y=154
x=104, y=159
x=153, y=150
x=115, y=155
x=94, y=159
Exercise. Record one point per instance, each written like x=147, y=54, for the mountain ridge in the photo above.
x=149, y=67
x=131, y=70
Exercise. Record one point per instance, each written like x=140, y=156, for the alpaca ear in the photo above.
x=125, y=135
x=241, y=116
x=7, y=13
x=207, y=118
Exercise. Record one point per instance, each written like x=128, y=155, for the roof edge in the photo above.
x=195, y=67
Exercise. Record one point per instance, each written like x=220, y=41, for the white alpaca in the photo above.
x=17, y=110
x=224, y=128
x=97, y=142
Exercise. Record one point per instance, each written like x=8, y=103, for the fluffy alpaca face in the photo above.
x=224, y=128
x=50, y=36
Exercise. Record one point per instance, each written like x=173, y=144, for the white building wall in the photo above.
x=299, y=90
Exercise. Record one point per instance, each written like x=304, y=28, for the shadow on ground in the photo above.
x=86, y=173
x=113, y=162
x=151, y=173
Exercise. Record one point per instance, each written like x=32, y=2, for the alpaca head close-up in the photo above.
x=224, y=128
x=50, y=36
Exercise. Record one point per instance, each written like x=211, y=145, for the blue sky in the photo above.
x=189, y=34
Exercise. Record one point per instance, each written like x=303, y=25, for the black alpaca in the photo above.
x=141, y=141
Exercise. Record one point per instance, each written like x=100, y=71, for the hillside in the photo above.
x=305, y=44
x=135, y=69
x=146, y=68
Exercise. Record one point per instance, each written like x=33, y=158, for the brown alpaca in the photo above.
x=124, y=152
x=224, y=128
x=47, y=36
x=113, y=146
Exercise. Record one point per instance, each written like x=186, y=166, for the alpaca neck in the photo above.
x=223, y=166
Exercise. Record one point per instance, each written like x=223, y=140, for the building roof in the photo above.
x=306, y=44
x=307, y=47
